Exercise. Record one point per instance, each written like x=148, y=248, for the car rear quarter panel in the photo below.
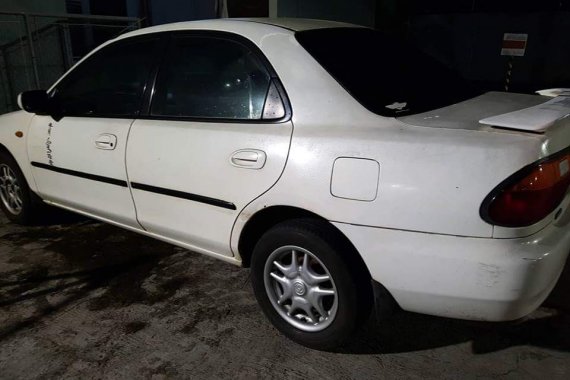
x=431, y=180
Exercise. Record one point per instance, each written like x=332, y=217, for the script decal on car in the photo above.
x=49, y=151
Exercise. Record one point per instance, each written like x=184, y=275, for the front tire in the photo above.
x=16, y=199
x=309, y=285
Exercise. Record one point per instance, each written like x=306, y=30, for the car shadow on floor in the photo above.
x=51, y=216
x=103, y=258
x=71, y=258
x=406, y=332
x=73, y=286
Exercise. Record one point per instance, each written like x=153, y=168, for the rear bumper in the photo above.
x=462, y=277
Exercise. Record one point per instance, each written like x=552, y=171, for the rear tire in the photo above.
x=17, y=201
x=320, y=300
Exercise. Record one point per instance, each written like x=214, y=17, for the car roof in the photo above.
x=237, y=24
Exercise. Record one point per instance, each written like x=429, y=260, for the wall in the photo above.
x=464, y=34
x=471, y=43
x=11, y=27
x=37, y=6
x=165, y=11
x=354, y=11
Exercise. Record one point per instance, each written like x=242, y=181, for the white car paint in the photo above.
x=201, y=166
x=72, y=142
x=465, y=277
x=420, y=235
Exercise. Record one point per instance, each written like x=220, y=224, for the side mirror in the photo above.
x=36, y=101
x=39, y=102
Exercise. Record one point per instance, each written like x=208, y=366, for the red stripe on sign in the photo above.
x=510, y=44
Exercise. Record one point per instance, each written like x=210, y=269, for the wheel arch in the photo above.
x=263, y=220
x=4, y=149
x=268, y=217
x=25, y=171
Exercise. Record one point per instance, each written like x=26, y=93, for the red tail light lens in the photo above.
x=529, y=195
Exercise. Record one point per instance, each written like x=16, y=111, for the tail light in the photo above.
x=529, y=195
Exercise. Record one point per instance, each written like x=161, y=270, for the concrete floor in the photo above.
x=87, y=300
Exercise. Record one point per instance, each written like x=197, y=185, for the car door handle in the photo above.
x=248, y=158
x=106, y=141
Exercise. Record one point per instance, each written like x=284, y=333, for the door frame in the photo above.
x=145, y=113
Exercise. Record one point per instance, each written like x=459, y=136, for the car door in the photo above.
x=78, y=161
x=216, y=136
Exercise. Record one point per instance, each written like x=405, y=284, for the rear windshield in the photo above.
x=387, y=76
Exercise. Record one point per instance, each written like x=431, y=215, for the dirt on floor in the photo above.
x=81, y=299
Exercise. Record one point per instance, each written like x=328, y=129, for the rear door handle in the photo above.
x=106, y=141
x=248, y=158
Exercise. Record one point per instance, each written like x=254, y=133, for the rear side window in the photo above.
x=208, y=77
x=387, y=76
x=109, y=83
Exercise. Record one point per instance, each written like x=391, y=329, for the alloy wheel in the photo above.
x=301, y=288
x=10, y=190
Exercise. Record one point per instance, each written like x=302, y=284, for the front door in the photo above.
x=79, y=161
x=216, y=137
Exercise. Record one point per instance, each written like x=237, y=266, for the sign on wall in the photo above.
x=514, y=44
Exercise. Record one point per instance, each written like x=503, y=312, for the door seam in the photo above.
x=128, y=178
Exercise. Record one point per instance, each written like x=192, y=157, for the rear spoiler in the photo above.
x=554, y=92
x=533, y=119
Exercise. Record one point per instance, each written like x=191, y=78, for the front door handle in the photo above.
x=248, y=158
x=106, y=141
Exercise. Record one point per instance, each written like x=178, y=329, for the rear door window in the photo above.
x=210, y=77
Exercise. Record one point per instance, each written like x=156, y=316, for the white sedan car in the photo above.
x=344, y=168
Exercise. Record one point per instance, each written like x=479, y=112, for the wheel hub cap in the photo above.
x=301, y=288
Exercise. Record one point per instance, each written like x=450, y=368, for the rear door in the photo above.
x=79, y=161
x=216, y=136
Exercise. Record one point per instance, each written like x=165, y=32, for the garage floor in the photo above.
x=84, y=299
